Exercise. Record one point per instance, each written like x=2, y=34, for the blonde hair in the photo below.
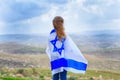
x=58, y=23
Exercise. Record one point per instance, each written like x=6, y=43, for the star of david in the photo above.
x=59, y=50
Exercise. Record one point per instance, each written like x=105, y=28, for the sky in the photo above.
x=35, y=16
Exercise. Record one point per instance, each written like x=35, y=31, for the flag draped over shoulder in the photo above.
x=65, y=55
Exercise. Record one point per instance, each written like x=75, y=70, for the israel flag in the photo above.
x=65, y=55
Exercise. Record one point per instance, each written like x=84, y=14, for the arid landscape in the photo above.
x=23, y=51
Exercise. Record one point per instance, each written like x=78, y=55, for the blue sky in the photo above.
x=35, y=16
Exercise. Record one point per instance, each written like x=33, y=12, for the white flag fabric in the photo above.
x=65, y=55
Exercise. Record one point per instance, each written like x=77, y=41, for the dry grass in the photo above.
x=42, y=61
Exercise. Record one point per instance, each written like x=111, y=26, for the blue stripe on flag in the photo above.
x=62, y=62
x=58, y=63
x=52, y=31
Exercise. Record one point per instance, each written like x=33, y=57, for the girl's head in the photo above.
x=58, y=23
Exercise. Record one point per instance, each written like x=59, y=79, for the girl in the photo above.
x=63, y=53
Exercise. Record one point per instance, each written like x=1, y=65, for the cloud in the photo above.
x=15, y=28
x=35, y=16
x=2, y=24
x=116, y=22
x=14, y=10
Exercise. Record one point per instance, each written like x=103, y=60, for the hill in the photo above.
x=99, y=44
x=19, y=50
x=41, y=61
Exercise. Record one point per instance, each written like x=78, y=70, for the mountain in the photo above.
x=100, y=43
x=24, y=39
x=103, y=45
